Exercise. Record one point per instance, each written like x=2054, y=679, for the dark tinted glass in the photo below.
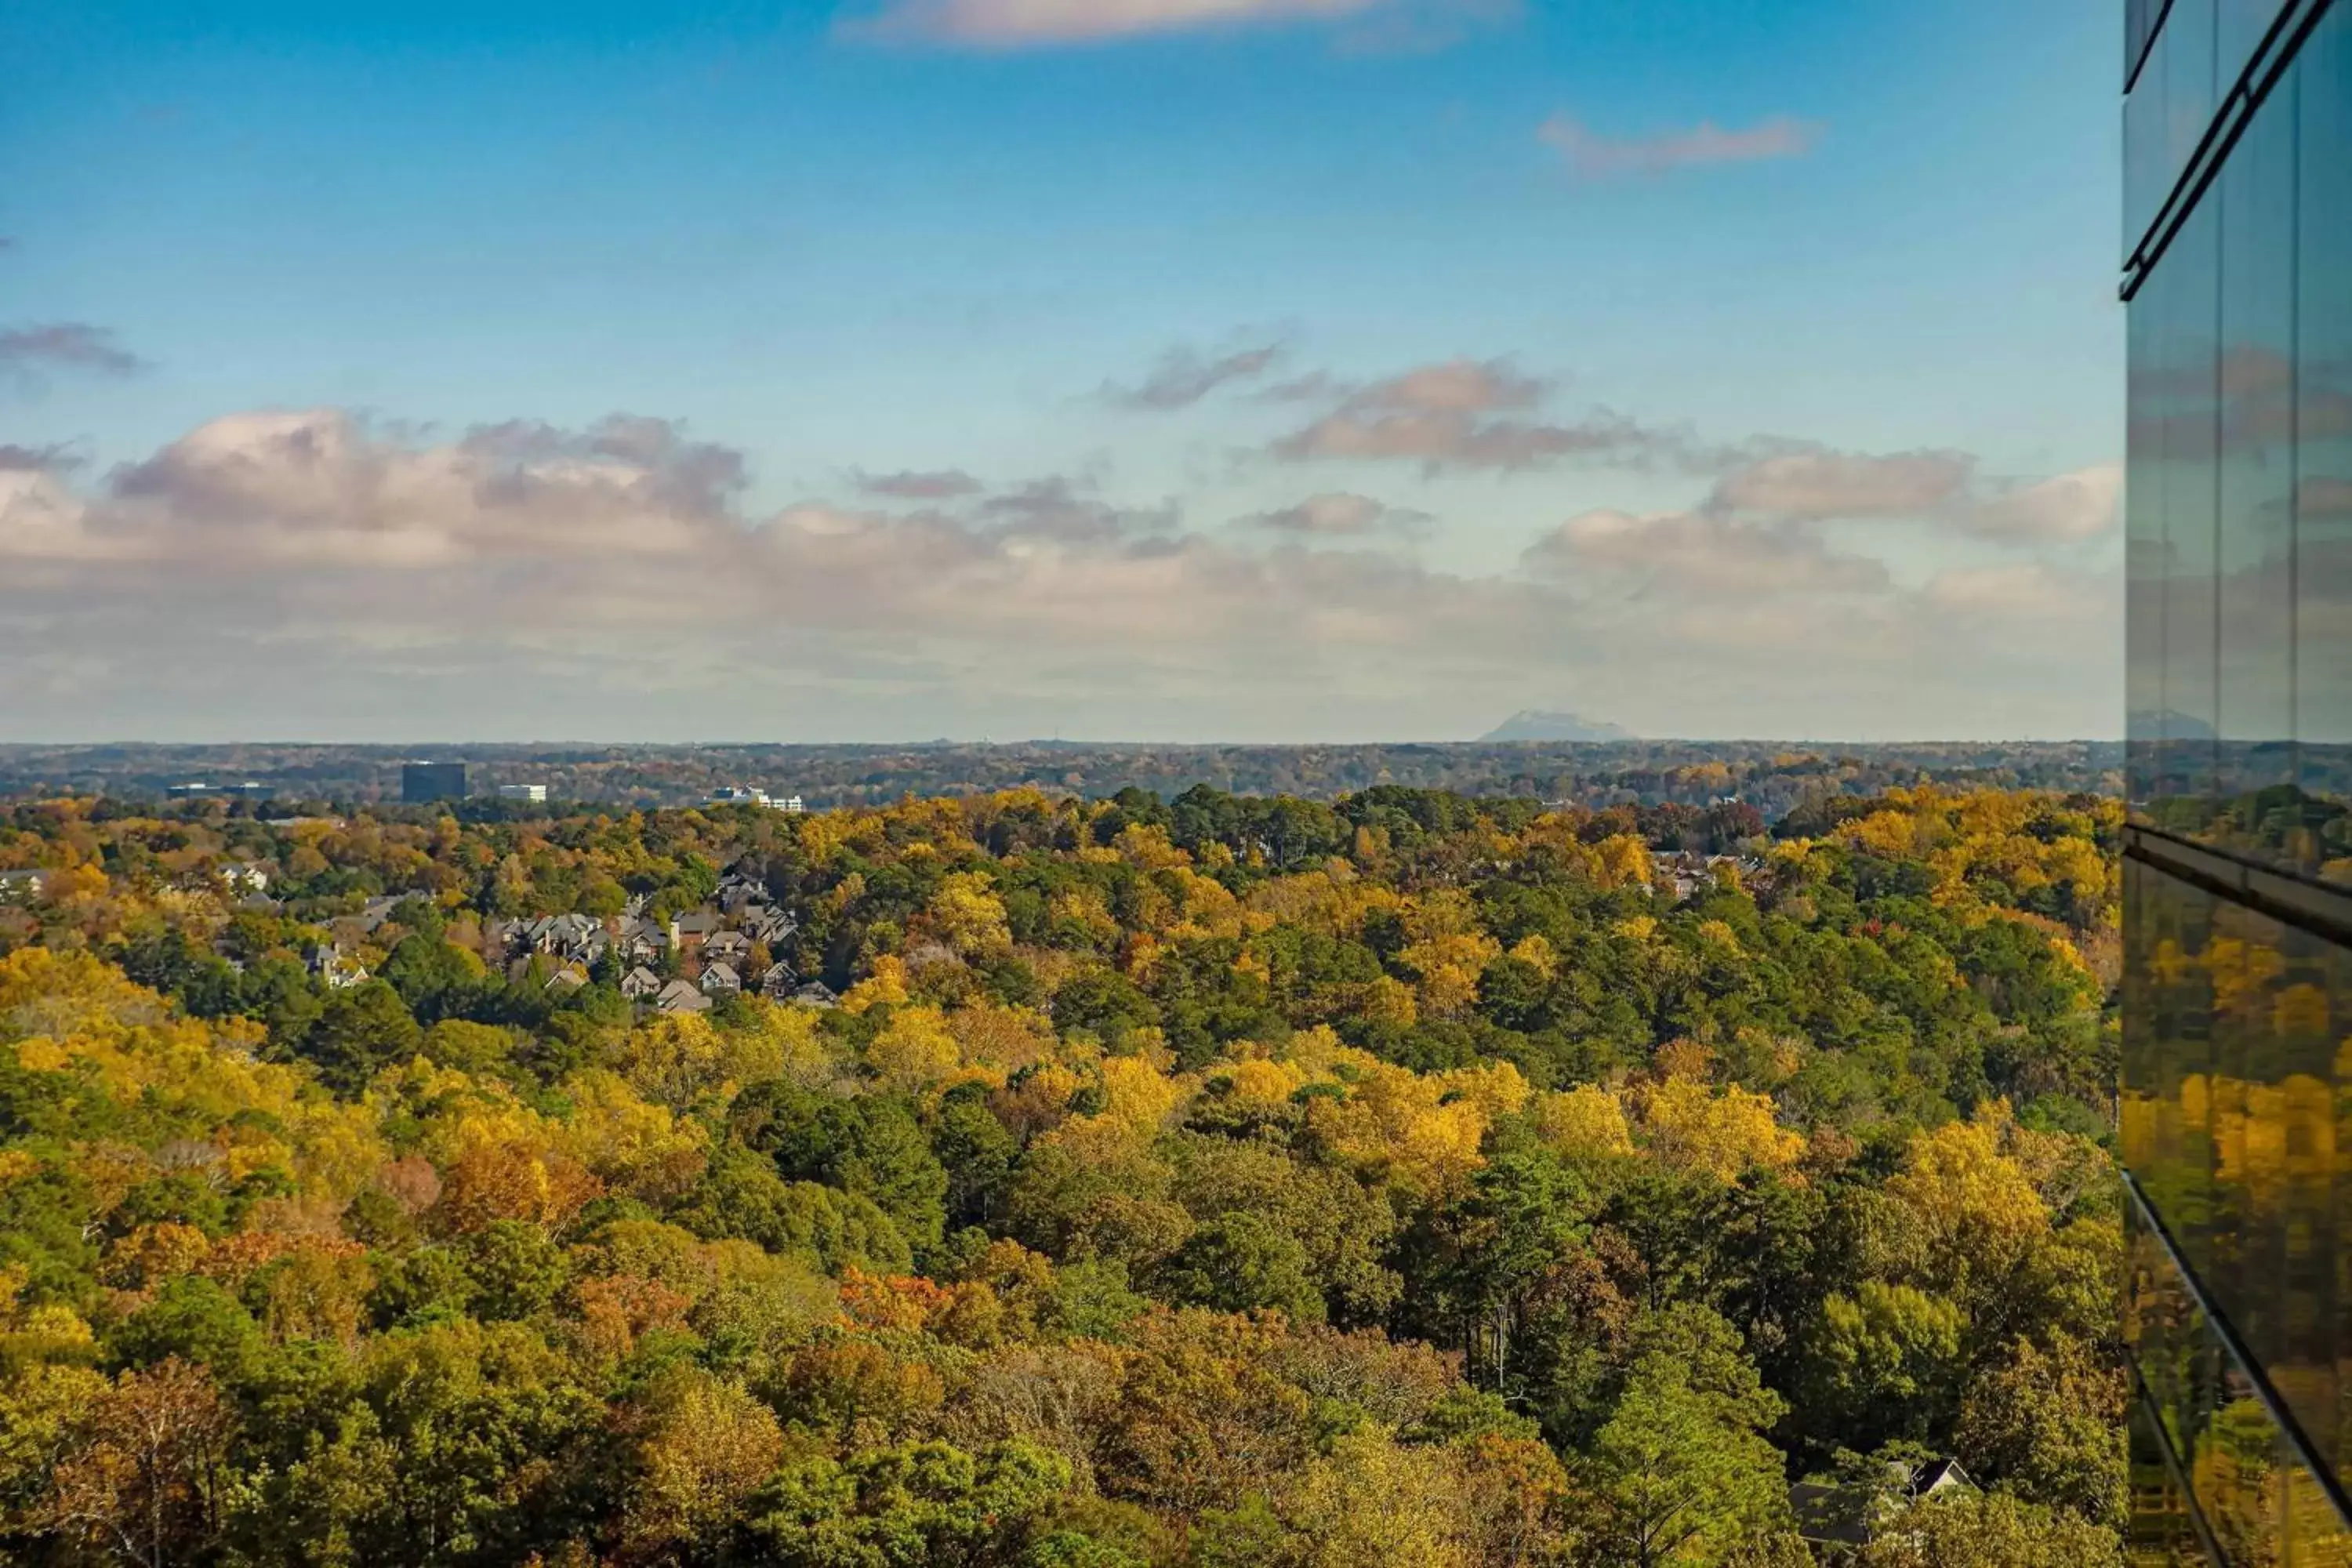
x=2323, y=473
x=2179, y=1054
x=2256, y=698
x=2169, y=112
x=2239, y=29
x=2185, y=404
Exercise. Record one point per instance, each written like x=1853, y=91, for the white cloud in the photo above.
x=1820, y=485
x=311, y=573
x=1036, y=23
x=2080, y=505
x=1702, y=554
x=1339, y=515
x=1593, y=157
x=1468, y=413
x=1941, y=489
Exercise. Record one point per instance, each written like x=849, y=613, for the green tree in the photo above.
x=1681, y=1472
x=359, y=1032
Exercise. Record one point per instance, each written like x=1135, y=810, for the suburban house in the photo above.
x=334, y=971
x=640, y=983
x=779, y=982
x=1855, y=1511
x=18, y=886
x=726, y=947
x=817, y=994
x=682, y=996
x=720, y=979
x=689, y=931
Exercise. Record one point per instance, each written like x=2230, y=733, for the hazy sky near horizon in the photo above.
x=1122, y=369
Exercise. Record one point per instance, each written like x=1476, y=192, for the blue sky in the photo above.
x=1839, y=274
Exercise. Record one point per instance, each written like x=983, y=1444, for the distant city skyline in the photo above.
x=1162, y=370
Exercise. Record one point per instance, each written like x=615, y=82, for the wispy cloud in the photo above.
x=913, y=484
x=1007, y=25
x=1184, y=376
x=66, y=345
x=1819, y=485
x=1942, y=489
x=1339, y=515
x=1591, y=156
x=17, y=459
x=1473, y=413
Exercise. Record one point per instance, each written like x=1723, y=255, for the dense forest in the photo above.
x=1411, y=1179
x=1772, y=777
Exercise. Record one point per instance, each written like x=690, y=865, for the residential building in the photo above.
x=335, y=971
x=732, y=795
x=1852, y=1510
x=422, y=783
x=22, y=887
x=2237, y=887
x=721, y=980
x=682, y=996
x=535, y=794
x=640, y=983
x=196, y=789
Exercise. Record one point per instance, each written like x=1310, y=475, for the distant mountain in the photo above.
x=2172, y=723
x=1530, y=725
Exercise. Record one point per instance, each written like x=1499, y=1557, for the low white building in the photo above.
x=732, y=795
x=535, y=794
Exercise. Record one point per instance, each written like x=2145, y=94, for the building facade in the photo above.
x=422, y=783
x=2235, y=1095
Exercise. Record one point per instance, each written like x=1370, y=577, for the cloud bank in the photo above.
x=309, y=572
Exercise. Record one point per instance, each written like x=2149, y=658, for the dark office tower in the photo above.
x=2235, y=1105
x=421, y=783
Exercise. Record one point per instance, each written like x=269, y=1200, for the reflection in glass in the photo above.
x=2187, y=407
x=2323, y=458
x=2256, y=544
x=2160, y=1533
x=2178, y=1173
x=2238, y=34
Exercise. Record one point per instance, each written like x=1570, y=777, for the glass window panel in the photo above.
x=2323, y=496
x=2190, y=415
x=2167, y=113
x=2136, y=1103
x=2239, y=30
x=2316, y=1532
x=2143, y=181
x=2142, y=555
x=2177, y=1178
x=2239, y=1474
x=2256, y=544
x=2233, y=1268
x=2190, y=80
x=2160, y=1534
x=2292, y=1151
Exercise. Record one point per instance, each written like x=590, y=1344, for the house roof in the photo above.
x=1849, y=1512
x=682, y=996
